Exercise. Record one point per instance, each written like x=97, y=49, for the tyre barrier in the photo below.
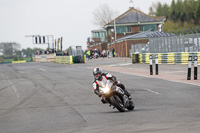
x=64, y=60
x=70, y=59
x=166, y=58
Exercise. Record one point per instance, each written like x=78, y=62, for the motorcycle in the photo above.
x=116, y=96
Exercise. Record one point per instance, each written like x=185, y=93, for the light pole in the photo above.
x=115, y=30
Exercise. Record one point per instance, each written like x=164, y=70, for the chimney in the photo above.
x=131, y=4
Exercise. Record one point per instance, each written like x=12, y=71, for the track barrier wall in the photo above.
x=21, y=61
x=166, y=58
x=60, y=59
x=64, y=59
x=70, y=59
x=44, y=58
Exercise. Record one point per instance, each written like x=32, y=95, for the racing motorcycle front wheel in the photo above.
x=117, y=102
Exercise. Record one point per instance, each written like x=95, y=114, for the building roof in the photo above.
x=135, y=16
x=98, y=30
x=137, y=36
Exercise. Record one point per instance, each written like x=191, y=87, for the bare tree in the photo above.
x=103, y=15
x=153, y=8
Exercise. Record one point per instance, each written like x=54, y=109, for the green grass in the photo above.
x=10, y=60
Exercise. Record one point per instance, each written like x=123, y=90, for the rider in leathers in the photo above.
x=99, y=77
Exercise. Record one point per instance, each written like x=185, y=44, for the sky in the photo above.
x=70, y=19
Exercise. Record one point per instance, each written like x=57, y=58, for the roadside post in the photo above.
x=156, y=64
x=151, y=62
x=189, y=68
x=195, y=68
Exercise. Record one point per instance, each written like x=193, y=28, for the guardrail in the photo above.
x=168, y=58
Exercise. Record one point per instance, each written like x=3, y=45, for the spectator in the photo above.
x=99, y=53
x=113, y=51
x=49, y=50
x=103, y=53
x=108, y=53
x=88, y=53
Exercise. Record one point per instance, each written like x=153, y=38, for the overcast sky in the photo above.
x=70, y=19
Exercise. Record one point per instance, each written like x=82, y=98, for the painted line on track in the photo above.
x=125, y=64
x=14, y=88
x=152, y=91
x=43, y=70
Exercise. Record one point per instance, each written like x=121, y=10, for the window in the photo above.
x=150, y=27
x=102, y=36
x=147, y=27
x=141, y=28
x=129, y=30
x=123, y=29
x=96, y=35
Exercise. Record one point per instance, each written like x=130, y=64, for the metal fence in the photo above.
x=75, y=50
x=161, y=42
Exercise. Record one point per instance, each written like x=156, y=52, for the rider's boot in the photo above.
x=125, y=91
x=128, y=94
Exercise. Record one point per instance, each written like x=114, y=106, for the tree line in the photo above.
x=181, y=14
x=11, y=49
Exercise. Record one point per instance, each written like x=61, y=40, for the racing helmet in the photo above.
x=97, y=73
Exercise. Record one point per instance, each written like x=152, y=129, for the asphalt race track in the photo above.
x=59, y=98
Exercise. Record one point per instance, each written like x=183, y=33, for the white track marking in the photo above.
x=14, y=88
x=43, y=70
x=152, y=91
x=125, y=64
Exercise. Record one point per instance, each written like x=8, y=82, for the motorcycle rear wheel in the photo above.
x=131, y=105
x=115, y=102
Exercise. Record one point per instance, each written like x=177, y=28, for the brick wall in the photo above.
x=135, y=29
x=122, y=48
x=101, y=47
x=96, y=40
